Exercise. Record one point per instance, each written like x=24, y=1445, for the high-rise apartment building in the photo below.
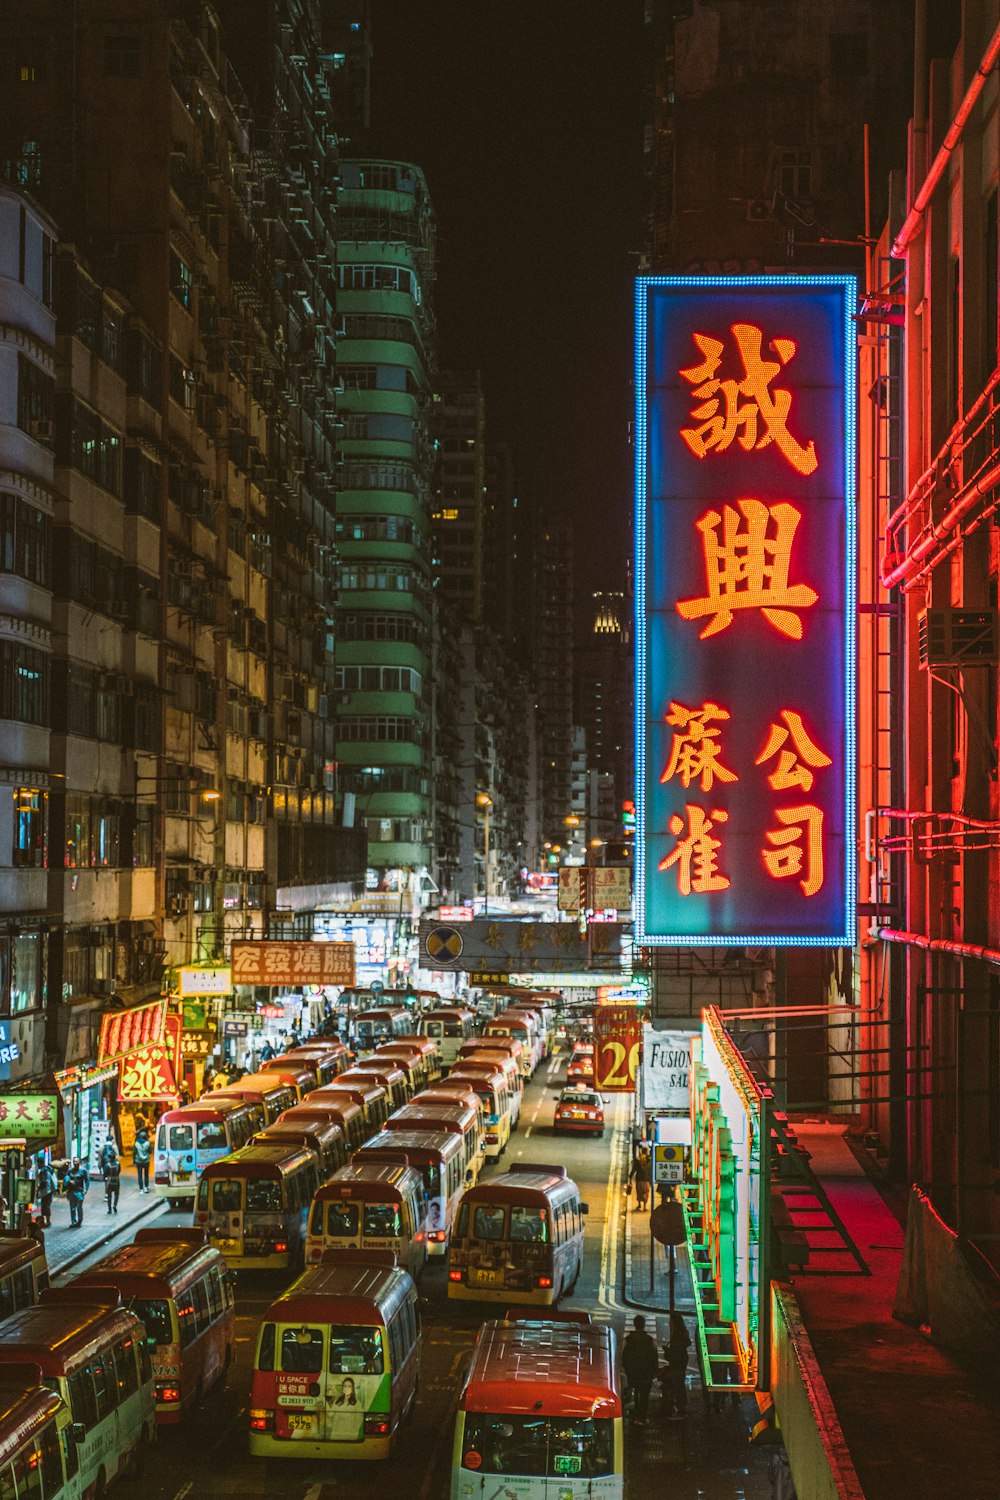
x=604, y=708
x=458, y=430
x=552, y=665
x=385, y=275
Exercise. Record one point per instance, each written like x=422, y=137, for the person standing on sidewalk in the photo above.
x=677, y=1363
x=45, y=1186
x=641, y=1364
x=642, y=1176
x=75, y=1185
x=141, y=1152
x=111, y=1168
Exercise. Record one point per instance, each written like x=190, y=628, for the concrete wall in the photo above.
x=817, y=1451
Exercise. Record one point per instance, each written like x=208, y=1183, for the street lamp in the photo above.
x=485, y=801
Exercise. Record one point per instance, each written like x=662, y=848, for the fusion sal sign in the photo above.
x=745, y=572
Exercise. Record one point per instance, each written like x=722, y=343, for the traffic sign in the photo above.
x=376, y=987
x=668, y=1163
x=666, y=1224
x=444, y=945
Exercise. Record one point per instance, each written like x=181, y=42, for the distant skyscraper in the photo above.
x=458, y=428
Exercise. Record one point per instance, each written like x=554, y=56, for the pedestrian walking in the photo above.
x=642, y=1176
x=641, y=1363
x=109, y=1154
x=141, y=1152
x=45, y=1186
x=75, y=1184
x=111, y=1170
x=677, y=1363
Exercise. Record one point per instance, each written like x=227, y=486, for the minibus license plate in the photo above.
x=485, y=1278
x=301, y=1421
x=183, y=1176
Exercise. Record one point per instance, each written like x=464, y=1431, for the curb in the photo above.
x=113, y=1233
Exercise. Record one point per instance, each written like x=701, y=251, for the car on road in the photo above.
x=580, y=1068
x=579, y=1109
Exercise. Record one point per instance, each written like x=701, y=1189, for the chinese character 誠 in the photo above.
x=696, y=854
x=746, y=409
x=794, y=761
x=747, y=568
x=797, y=847
x=695, y=752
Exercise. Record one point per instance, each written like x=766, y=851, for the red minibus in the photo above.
x=371, y=1205
x=554, y=1429
x=502, y=1044
x=439, y=1157
x=181, y=1289
x=386, y=1074
x=489, y=1058
x=255, y=1204
x=24, y=1272
x=187, y=1139
x=95, y=1355
x=409, y=1059
x=343, y=1112
x=37, y=1449
x=380, y=1024
x=364, y=1090
x=430, y=1049
x=492, y=1089
x=457, y=1117
x=260, y=1088
x=299, y=1073
x=338, y=1361
x=325, y=1137
x=328, y=1058
x=518, y=1236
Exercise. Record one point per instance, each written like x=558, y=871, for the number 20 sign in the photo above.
x=617, y=1042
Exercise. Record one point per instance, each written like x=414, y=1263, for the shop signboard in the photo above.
x=666, y=1069
x=745, y=610
x=147, y=1076
x=125, y=1031
x=617, y=1041
x=293, y=963
x=596, y=887
x=193, y=1016
x=29, y=1117
x=214, y=980
x=236, y=1028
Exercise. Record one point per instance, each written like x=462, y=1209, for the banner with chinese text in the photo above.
x=293, y=963
x=745, y=574
x=125, y=1031
x=150, y=1075
x=617, y=1043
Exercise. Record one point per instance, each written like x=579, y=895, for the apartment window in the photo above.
x=378, y=278
x=26, y=167
x=377, y=529
x=35, y=390
x=142, y=837
x=24, y=683
x=108, y=832
x=121, y=56
x=234, y=801
x=181, y=280
x=182, y=383
x=23, y=973
x=24, y=540
x=378, y=680
x=358, y=377
x=385, y=728
x=793, y=173
x=204, y=895
x=142, y=484
x=30, y=828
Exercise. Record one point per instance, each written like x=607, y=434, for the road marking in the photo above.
x=185, y=1489
x=313, y=1492
x=527, y=1132
x=607, y=1294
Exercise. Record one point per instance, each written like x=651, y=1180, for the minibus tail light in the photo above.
x=454, y=1275
x=280, y=1247
x=438, y=1236
x=261, y=1421
x=167, y=1393
x=376, y=1426
x=545, y=1282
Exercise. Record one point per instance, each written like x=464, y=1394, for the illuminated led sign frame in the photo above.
x=745, y=610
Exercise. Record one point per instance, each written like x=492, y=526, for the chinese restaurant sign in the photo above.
x=211, y=981
x=617, y=1041
x=29, y=1117
x=293, y=963
x=125, y=1031
x=745, y=570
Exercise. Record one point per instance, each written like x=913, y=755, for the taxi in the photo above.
x=579, y=1109
x=580, y=1068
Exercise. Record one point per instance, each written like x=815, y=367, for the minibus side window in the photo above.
x=265, y=1357
x=125, y=1371
x=103, y=1385
x=185, y=1317
x=396, y=1350
x=81, y=1397
x=52, y=1472
x=202, y=1315
x=214, y=1287
x=462, y=1227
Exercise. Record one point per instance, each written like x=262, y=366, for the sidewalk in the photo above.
x=916, y=1422
x=66, y=1247
x=705, y=1455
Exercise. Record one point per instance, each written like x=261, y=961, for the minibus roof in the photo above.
x=370, y=1179
x=260, y=1158
x=132, y=1267
x=538, y=1368
x=349, y=1291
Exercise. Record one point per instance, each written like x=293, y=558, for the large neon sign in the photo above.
x=745, y=572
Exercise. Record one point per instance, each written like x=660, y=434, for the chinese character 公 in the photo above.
x=721, y=414
x=696, y=750
x=748, y=569
x=797, y=847
x=696, y=853
x=793, y=765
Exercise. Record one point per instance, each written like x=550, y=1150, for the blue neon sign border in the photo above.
x=848, y=286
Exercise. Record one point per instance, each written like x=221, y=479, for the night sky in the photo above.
x=527, y=117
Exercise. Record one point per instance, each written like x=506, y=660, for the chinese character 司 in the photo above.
x=696, y=855
x=696, y=750
x=740, y=409
x=793, y=768
x=797, y=847
x=748, y=568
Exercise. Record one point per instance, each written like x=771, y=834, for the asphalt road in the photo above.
x=206, y=1457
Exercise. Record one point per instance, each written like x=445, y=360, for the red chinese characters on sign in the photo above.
x=151, y=1074
x=747, y=568
x=293, y=963
x=695, y=754
x=125, y=1031
x=617, y=1044
x=745, y=410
